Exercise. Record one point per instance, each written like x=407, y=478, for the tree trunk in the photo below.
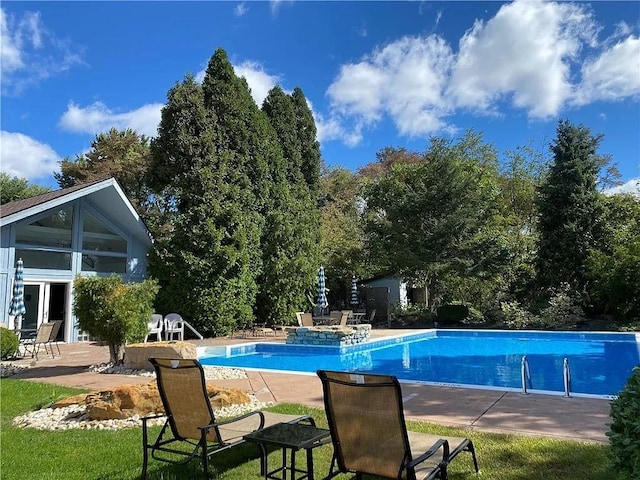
x=116, y=353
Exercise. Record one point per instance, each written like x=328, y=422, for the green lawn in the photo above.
x=117, y=455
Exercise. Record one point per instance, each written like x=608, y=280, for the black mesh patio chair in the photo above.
x=369, y=434
x=191, y=429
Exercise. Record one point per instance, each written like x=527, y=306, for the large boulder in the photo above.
x=129, y=400
x=136, y=355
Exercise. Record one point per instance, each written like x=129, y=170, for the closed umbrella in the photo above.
x=322, y=290
x=16, y=307
x=354, y=293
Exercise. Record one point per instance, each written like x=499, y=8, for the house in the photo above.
x=88, y=229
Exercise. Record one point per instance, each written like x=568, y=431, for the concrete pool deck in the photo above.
x=575, y=418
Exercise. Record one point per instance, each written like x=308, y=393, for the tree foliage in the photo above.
x=342, y=241
x=121, y=154
x=236, y=237
x=289, y=240
x=570, y=209
x=426, y=220
x=113, y=311
x=614, y=269
x=16, y=188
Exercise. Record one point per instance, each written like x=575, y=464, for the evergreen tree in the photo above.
x=16, y=188
x=205, y=263
x=309, y=146
x=124, y=155
x=570, y=209
x=288, y=242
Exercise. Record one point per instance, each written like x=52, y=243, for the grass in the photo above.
x=117, y=455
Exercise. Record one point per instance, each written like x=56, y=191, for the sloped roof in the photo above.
x=26, y=203
x=105, y=194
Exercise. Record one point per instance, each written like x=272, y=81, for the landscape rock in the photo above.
x=136, y=355
x=129, y=401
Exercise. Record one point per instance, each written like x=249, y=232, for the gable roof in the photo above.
x=105, y=194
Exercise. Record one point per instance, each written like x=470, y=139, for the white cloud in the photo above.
x=260, y=82
x=97, y=118
x=529, y=56
x=632, y=186
x=275, y=5
x=29, y=53
x=404, y=80
x=24, y=157
x=523, y=54
x=241, y=9
x=613, y=75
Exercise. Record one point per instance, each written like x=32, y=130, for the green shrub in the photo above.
x=412, y=313
x=8, y=343
x=113, y=311
x=624, y=431
x=452, y=314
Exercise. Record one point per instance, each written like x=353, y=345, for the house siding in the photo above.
x=136, y=257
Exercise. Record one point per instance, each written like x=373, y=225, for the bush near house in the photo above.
x=8, y=343
x=113, y=311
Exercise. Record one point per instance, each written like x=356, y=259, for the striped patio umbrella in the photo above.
x=354, y=293
x=16, y=307
x=322, y=289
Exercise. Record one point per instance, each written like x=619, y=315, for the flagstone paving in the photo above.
x=576, y=418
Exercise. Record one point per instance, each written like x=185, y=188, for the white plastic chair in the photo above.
x=173, y=323
x=154, y=327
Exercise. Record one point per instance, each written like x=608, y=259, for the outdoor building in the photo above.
x=89, y=229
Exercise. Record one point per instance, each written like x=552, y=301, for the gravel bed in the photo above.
x=75, y=416
x=8, y=369
x=210, y=373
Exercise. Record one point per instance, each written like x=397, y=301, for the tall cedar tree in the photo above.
x=204, y=262
x=311, y=163
x=570, y=209
x=289, y=239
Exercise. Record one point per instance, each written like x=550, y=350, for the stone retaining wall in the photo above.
x=337, y=336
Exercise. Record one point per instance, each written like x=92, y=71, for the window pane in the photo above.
x=42, y=259
x=104, y=264
x=98, y=237
x=52, y=231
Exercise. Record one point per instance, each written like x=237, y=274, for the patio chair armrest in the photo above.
x=431, y=452
x=151, y=417
x=305, y=418
x=235, y=419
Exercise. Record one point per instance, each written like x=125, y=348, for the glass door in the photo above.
x=34, y=304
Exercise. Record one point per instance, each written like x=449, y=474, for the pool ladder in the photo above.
x=525, y=376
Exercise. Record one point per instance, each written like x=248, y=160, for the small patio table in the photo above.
x=290, y=436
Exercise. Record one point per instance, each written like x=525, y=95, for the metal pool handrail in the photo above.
x=566, y=377
x=524, y=374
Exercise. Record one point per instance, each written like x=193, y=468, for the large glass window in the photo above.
x=45, y=259
x=96, y=236
x=52, y=231
x=104, y=263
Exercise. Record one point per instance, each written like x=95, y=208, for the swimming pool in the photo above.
x=599, y=363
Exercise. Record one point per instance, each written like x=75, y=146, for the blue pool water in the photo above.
x=600, y=363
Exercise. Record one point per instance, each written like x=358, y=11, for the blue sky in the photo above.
x=376, y=74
